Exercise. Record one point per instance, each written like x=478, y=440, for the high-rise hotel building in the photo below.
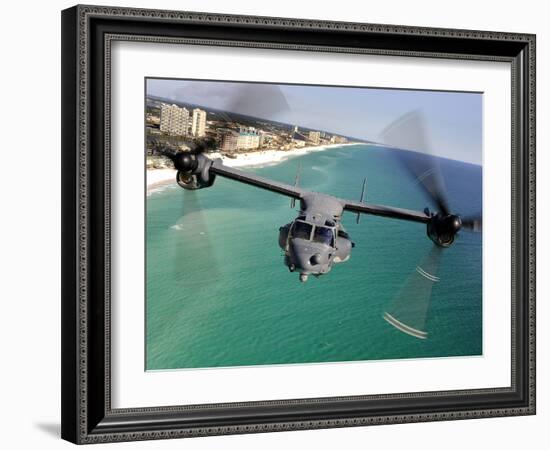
x=174, y=120
x=198, y=123
x=315, y=137
x=245, y=139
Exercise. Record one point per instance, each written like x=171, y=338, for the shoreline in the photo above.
x=159, y=177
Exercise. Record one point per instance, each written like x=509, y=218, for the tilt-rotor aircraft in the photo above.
x=316, y=239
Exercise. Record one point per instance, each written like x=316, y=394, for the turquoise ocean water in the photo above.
x=218, y=293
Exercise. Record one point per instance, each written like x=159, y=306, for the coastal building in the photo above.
x=243, y=140
x=152, y=119
x=265, y=138
x=338, y=140
x=229, y=140
x=298, y=140
x=174, y=120
x=314, y=137
x=198, y=123
x=247, y=141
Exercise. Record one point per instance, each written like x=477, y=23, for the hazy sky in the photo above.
x=452, y=120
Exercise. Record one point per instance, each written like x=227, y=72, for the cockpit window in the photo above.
x=323, y=235
x=301, y=230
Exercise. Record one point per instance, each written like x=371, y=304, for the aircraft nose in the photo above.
x=315, y=259
x=306, y=256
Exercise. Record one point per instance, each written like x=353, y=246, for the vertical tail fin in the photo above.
x=362, y=197
x=296, y=182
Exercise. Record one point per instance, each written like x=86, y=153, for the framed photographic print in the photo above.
x=278, y=224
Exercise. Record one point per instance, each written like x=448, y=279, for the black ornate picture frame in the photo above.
x=87, y=35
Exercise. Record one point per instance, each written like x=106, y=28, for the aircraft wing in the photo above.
x=220, y=169
x=232, y=173
x=385, y=211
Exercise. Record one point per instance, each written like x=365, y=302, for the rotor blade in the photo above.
x=257, y=99
x=169, y=154
x=203, y=144
x=192, y=229
x=409, y=139
x=473, y=223
x=409, y=309
x=250, y=99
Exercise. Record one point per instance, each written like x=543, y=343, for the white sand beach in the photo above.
x=158, y=177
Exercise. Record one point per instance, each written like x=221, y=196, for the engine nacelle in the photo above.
x=442, y=229
x=191, y=181
x=193, y=171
